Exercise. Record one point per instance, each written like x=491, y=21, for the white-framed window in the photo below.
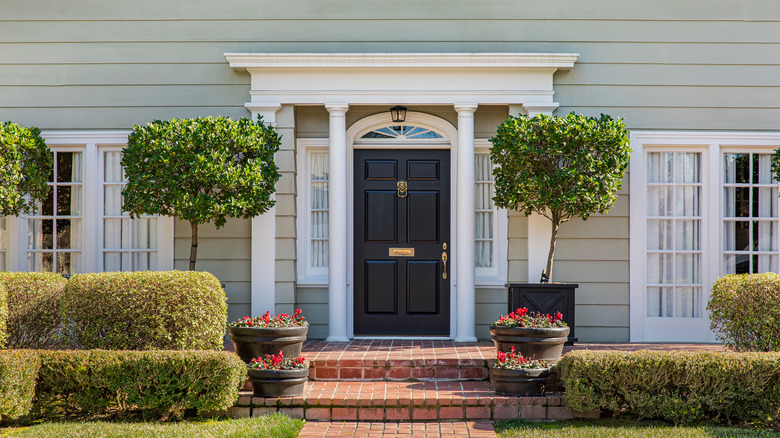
x=703, y=205
x=490, y=223
x=128, y=244
x=313, y=211
x=80, y=226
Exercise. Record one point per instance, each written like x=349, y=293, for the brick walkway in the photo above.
x=397, y=430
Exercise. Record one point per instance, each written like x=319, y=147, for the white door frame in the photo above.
x=450, y=142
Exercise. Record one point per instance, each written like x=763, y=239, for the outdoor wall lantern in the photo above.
x=398, y=113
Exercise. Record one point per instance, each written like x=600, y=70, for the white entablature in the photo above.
x=407, y=78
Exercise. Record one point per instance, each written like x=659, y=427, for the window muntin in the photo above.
x=674, y=224
x=318, y=207
x=484, y=222
x=750, y=214
x=128, y=244
x=54, y=230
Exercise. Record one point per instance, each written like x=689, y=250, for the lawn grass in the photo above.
x=619, y=428
x=276, y=426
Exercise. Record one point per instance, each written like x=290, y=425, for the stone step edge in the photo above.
x=385, y=363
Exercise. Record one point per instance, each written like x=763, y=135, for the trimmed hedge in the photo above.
x=18, y=370
x=168, y=310
x=33, y=308
x=745, y=311
x=157, y=383
x=681, y=387
x=3, y=316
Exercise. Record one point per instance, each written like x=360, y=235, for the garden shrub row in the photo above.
x=168, y=310
x=158, y=384
x=681, y=387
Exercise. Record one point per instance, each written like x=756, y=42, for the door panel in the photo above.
x=402, y=292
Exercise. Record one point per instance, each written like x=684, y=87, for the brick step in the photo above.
x=405, y=401
x=449, y=369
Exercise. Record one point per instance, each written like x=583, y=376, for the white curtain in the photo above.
x=3, y=244
x=483, y=202
x=674, y=244
x=318, y=229
x=122, y=236
x=76, y=210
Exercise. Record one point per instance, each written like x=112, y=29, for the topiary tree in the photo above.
x=26, y=165
x=559, y=167
x=202, y=170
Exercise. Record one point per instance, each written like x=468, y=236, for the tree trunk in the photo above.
x=556, y=223
x=194, y=247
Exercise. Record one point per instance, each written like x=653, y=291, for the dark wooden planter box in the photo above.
x=519, y=382
x=252, y=342
x=545, y=298
x=534, y=343
x=278, y=383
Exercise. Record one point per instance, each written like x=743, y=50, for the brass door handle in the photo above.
x=444, y=259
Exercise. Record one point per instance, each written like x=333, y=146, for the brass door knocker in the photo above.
x=401, y=189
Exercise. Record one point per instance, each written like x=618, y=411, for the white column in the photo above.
x=337, y=223
x=465, y=302
x=264, y=236
x=539, y=227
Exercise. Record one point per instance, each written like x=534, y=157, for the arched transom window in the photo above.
x=402, y=132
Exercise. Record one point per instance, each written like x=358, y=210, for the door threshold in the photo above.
x=402, y=338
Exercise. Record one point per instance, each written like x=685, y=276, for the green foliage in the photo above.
x=18, y=370
x=202, y=170
x=681, y=387
x=156, y=383
x=33, y=308
x=745, y=311
x=559, y=167
x=26, y=165
x=3, y=316
x=167, y=310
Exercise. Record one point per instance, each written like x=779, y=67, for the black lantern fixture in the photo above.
x=398, y=113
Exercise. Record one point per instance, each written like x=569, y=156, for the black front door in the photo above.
x=402, y=229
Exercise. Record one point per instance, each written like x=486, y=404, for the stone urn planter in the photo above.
x=524, y=381
x=252, y=342
x=278, y=383
x=542, y=343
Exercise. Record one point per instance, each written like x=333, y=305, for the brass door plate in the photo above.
x=401, y=252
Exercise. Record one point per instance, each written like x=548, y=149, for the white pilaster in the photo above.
x=539, y=227
x=264, y=236
x=337, y=223
x=465, y=296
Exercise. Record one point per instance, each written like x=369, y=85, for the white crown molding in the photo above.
x=242, y=61
x=82, y=137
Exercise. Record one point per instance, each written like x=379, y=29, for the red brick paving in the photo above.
x=457, y=429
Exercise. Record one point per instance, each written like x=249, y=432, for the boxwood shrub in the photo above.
x=33, y=308
x=169, y=310
x=155, y=383
x=18, y=370
x=681, y=387
x=745, y=311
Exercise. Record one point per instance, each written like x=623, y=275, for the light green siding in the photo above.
x=659, y=64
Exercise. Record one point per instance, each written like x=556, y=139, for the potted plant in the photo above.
x=267, y=334
x=277, y=376
x=559, y=167
x=513, y=374
x=536, y=336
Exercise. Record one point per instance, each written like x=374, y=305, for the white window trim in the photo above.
x=307, y=275
x=496, y=276
x=712, y=146
x=90, y=143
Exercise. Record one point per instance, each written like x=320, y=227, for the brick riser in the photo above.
x=549, y=407
x=399, y=370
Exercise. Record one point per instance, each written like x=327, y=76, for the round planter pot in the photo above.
x=519, y=382
x=534, y=343
x=278, y=383
x=252, y=342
